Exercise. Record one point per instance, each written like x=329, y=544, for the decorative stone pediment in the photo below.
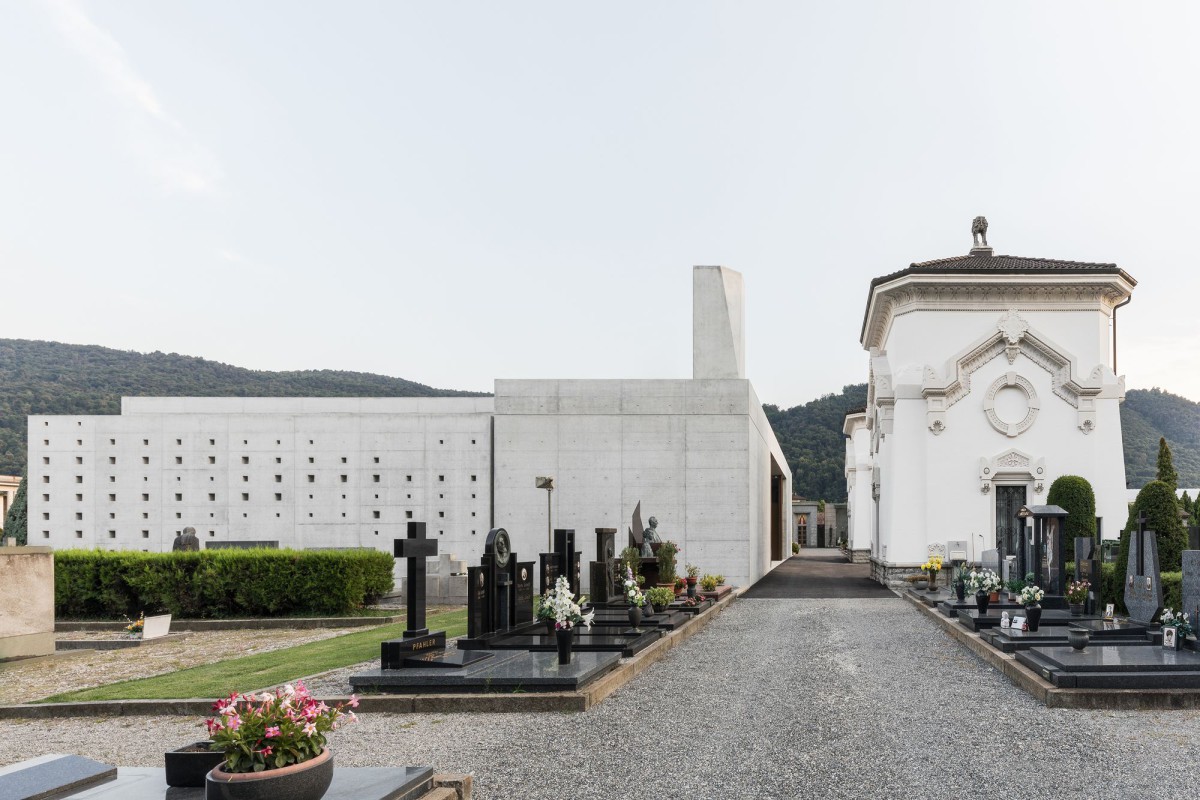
x=1012, y=464
x=1012, y=336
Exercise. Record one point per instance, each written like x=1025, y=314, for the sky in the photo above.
x=456, y=192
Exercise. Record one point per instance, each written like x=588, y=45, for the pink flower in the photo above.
x=309, y=729
x=353, y=701
x=272, y=732
x=266, y=751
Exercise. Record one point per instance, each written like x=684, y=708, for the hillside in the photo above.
x=54, y=378
x=812, y=441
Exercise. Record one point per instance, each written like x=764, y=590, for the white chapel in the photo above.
x=989, y=377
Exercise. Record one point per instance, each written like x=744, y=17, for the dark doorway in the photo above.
x=1009, y=500
x=777, y=511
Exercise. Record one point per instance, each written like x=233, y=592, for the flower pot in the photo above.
x=308, y=780
x=981, y=602
x=635, y=616
x=933, y=582
x=920, y=586
x=564, y=638
x=994, y=597
x=691, y=586
x=1078, y=638
x=1033, y=614
x=1076, y=609
x=188, y=765
x=960, y=591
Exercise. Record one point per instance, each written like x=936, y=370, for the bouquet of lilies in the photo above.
x=1179, y=622
x=560, y=605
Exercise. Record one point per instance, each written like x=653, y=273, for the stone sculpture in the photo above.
x=186, y=541
x=650, y=537
x=979, y=231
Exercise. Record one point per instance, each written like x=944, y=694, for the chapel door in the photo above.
x=1009, y=500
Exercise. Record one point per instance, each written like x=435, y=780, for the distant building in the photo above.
x=8, y=491
x=989, y=377
x=351, y=472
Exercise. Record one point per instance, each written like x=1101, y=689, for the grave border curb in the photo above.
x=492, y=703
x=1053, y=696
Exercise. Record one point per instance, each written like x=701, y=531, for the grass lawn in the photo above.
x=259, y=671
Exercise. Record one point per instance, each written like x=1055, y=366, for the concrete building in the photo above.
x=311, y=472
x=989, y=377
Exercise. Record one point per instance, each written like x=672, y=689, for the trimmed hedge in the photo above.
x=1075, y=496
x=218, y=583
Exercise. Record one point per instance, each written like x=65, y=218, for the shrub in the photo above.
x=218, y=583
x=666, y=561
x=1075, y=496
x=660, y=596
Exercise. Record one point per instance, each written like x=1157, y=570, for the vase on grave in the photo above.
x=933, y=578
x=960, y=590
x=691, y=586
x=635, y=616
x=308, y=780
x=1078, y=638
x=1076, y=609
x=1033, y=615
x=564, y=638
x=981, y=602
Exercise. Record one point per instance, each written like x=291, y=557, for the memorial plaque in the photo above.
x=990, y=559
x=523, y=593
x=549, y=570
x=1143, y=587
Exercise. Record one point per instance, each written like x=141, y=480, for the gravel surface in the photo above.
x=860, y=698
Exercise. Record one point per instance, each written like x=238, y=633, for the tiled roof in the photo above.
x=983, y=263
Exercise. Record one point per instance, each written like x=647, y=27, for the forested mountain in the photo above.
x=1152, y=413
x=812, y=441
x=55, y=378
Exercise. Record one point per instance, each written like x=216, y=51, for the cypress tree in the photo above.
x=1166, y=465
x=15, y=523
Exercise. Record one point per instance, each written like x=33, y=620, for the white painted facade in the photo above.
x=985, y=372
x=351, y=472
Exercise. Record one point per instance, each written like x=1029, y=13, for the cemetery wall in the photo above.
x=27, y=597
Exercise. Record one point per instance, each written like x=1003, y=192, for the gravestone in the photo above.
x=498, y=557
x=479, y=594
x=549, y=571
x=602, y=573
x=52, y=775
x=568, y=557
x=1191, y=585
x=156, y=627
x=1143, y=587
x=956, y=551
x=1087, y=568
x=27, y=597
x=990, y=559
x=523, y=593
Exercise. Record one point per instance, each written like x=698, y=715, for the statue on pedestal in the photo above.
x=186, y=541
x=650, y=537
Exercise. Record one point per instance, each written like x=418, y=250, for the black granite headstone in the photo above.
x=479, y=592
x=549, y=570
x=568, y=557
x=1087, y=568
x=1191, y=585
x=602, y=573
x=523, y=593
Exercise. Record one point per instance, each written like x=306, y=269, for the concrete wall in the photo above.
x=26, y=602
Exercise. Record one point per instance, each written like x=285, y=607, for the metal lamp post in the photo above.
x=547, y=483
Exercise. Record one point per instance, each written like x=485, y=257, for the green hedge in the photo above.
x=218, y=583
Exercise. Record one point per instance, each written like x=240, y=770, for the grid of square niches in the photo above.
x=136, y=491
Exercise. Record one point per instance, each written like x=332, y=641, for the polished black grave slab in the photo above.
x=626, y=642
x=507, y=671
x=51, y=776
x=971, y=618
x=349, y=783
x=1010, y=640
x=1103, y=629
x=951, y=608
x=1115, y=667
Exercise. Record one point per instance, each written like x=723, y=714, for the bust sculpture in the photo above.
x=186, y=541
x=979, y=232
x=650, y=537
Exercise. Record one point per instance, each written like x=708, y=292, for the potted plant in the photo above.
x=693, y=577
x=720, y=579
x=680, y=586
x=631, y=560
x=274, y=744
x=795, y=548
x=933, y=566
x=960, y=581
x=983, y=582
x=1014, y=587
x=1031, y=598
x=1181, y=624
x=666, y=563
x=567, y=612
x=635, y=598
x=709, y=583
x=1077, y=594
x=919, y=580
x=660, y=597
x=135, y=627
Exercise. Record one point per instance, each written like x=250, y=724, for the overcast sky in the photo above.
x=455, y=192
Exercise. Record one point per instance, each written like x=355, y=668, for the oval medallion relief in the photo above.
x=1011, y=404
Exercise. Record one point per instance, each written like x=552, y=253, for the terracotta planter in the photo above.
x=308, y=780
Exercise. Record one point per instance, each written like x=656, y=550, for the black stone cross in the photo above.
x=1141, y=555
x=416, y=548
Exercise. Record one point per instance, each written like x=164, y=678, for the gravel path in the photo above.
x=860, y=698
